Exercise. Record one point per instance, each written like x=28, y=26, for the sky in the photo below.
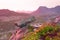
x=28, y=5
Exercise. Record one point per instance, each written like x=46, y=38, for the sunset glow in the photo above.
x=29, y=5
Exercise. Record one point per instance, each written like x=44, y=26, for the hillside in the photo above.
x=8, y=15
x=47, y=11
x=46, y=32
x=44, y=16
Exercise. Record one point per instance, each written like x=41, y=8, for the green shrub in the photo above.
x=51, y=29
x=30, y=28
x=45, y=30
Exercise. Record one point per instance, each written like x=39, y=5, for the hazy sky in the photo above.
x=29, y=5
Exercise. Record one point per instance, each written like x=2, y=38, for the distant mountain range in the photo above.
x=47, y=11
x=40, y=12
x=6, y=12
x=44, y=14
x=8, y=15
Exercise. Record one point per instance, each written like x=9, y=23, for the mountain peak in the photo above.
x=42, y=8
x=57, y=7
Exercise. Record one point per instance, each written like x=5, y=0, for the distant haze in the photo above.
x=28, y=5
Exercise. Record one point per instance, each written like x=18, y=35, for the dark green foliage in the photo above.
x=26, y=22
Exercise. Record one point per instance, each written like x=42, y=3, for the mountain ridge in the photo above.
x=47, y=11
